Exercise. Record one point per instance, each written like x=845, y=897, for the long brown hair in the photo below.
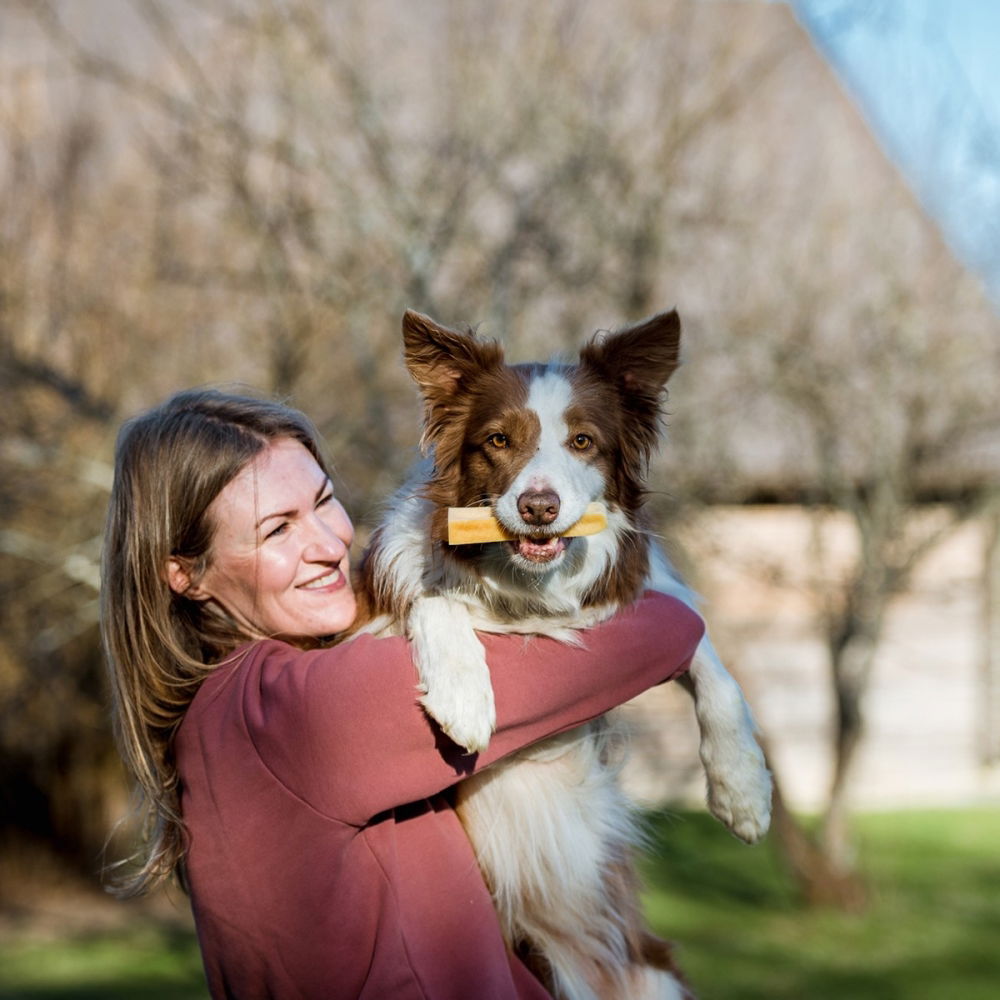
x=170, y=464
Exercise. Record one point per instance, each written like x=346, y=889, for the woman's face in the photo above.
x=279, y=557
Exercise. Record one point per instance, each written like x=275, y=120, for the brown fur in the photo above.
x=468, y=399
x=470, y=395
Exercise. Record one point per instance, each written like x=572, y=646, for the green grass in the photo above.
x=149, y=960
x=931, y=932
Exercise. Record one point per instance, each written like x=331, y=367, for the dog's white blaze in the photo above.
x=553, y=466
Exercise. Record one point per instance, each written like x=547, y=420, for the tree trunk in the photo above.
x=852, y=664
x=819, y=881
x=988, y=729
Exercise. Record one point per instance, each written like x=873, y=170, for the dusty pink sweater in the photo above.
x=325, y=860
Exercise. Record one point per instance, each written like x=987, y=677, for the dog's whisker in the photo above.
x=478, y=500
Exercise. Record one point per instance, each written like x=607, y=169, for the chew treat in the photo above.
x=475, y=525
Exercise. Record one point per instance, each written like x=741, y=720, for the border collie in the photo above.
x=537, y=443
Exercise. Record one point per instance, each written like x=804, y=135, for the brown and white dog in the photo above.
x=537, y=443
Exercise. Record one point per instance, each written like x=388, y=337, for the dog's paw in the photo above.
x=463, y=707
x=739, y=788
x=454, y=677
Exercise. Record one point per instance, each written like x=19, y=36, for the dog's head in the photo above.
x=538, y=442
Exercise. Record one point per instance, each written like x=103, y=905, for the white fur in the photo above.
x=553, y=465
x=547, y=822
x=651, y=984
x=541, y=823
x=452, y=665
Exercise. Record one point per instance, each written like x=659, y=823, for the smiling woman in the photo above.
x=294, y=785
x=281, y=561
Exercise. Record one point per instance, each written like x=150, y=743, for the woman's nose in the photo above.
x=330, y=538
x=325, y=546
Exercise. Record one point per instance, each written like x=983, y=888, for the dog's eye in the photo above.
x=581, y=442
x=498, y=441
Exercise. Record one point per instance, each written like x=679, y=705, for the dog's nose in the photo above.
x=538, y=508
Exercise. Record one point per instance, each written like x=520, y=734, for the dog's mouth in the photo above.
x=539, y=549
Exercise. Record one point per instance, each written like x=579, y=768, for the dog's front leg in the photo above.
x=739, y=783
x=454, y=677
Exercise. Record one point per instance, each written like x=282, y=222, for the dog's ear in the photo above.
x=443, y=363
x=639, y=359
x=439, y=359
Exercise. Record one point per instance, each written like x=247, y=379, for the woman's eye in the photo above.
x=498, y=441
x=581, y=442
x=323, y=501
x=279, y=530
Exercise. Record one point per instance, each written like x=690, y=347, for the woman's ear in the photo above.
x=179, y=578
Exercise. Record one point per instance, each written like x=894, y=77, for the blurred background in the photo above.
x=250, y=193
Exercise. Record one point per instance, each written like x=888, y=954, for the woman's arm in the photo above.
x=342, y=729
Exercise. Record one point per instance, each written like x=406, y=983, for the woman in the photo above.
x=296, y=788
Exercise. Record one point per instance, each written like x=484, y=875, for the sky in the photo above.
x=926, y=76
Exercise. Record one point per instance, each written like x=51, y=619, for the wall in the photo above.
x=925, y=707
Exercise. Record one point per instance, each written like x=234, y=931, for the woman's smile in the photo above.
x=329, y=581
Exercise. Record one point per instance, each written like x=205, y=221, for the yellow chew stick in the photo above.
x=475, y=525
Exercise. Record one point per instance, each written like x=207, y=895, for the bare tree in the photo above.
x=253, y=191
x=889, y=394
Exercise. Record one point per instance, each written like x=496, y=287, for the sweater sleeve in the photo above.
x=342, y=729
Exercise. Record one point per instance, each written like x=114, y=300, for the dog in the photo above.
x=537, y=443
